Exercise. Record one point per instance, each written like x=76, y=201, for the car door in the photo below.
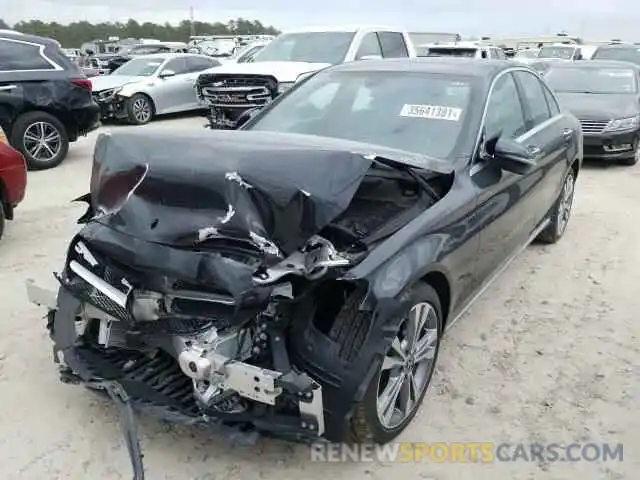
x=172, y=92
x=551, y=135
x=503, y=215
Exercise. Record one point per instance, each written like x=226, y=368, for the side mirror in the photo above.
x=167, y=74
x=246, y=116
x=510, y=155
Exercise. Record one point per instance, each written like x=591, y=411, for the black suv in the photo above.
x=45, y=100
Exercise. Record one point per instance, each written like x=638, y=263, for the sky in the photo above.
x=591, y=19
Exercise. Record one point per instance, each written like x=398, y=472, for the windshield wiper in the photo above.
x=410, y=171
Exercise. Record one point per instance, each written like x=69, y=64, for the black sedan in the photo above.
x=604, y=95
x=296, y=276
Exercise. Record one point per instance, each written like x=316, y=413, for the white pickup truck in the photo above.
x=233, y=88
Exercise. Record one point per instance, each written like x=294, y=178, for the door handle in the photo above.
x=6, y=88
x=567, y=133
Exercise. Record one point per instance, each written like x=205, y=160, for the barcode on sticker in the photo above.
x=435, y=112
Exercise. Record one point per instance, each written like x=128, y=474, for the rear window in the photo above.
x=451, y=52
x=623, y=54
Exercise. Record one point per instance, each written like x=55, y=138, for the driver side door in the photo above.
x=503, y=215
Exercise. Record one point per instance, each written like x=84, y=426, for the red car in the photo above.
x=13, y=180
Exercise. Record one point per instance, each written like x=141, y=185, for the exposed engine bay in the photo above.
x=190, y=292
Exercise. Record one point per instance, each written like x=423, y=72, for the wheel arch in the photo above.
x=440, y=283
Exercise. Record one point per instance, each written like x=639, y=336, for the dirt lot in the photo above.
x=550, y=354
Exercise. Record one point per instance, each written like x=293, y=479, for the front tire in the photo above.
x=396, y=392
x=561, y=212
x=41, y=138
x=140, y=109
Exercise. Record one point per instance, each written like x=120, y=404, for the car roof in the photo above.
x=167, y=55
x=470, y=67
x=23, y=37
x=342, y=28
x=620, y=46
x=594, y=64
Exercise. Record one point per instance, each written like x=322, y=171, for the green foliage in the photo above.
x=75, y=34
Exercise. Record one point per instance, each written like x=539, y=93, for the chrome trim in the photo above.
x=41, y=48
x=497, y=273
x=111, y=292
x=8, y=87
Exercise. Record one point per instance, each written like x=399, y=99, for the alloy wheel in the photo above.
x=407, y=366
x=141, y=110
x=42, y=141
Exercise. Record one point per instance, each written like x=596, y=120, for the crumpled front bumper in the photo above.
x=154, y=385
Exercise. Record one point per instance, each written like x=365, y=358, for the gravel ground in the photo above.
x=550, y=354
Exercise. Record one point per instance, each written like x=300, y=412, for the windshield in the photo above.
x=248, y=54
x=418, y=113
x=564, y=53
x=217, y=48
x=451, y=52
x=624, y=54
x=147, y=49
x=139, y=67
x=592, y=80
x=313, y=47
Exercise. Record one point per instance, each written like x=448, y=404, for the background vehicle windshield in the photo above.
x=452, y=52
x=314, y=47
x=564, y=53
x=526, y=54
x=624, y=54
x=147, y=49
x=419, y=113
x=592, y=80
x=139, y=67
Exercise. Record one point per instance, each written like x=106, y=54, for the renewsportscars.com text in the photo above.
x=468, y=452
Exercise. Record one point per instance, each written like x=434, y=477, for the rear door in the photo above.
x=549, y=133
x=196, y=65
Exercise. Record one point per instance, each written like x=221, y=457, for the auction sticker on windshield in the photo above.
x=436, y=112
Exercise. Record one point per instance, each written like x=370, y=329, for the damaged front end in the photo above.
x=112, y=105
x=228, y=96
x=190, y=291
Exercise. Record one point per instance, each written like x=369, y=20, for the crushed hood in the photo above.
x=270, y=191
x=282, y=71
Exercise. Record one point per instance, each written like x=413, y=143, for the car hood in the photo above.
x=107, y=82
x=282, y=71
x=594, y=106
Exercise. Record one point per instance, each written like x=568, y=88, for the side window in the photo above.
x=494, y=53
x=554, y=108
x=504, y=110
x=393, y=45
x=21, y=56
x=178, y=65
x=197, y=64
x=534, y=97
x=483, y=53
x=370, y=46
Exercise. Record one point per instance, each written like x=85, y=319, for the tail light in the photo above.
x=83, y=83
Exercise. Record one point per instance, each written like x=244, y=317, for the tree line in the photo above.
x=75, y=34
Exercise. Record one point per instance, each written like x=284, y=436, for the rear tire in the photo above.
x=41, y=138
x=377, y=421
x=561, y=212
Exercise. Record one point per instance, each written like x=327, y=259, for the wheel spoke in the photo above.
x=30, y=137
x=415, y=322
x=426, y=346
x=407, y=395
x=389, y=396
